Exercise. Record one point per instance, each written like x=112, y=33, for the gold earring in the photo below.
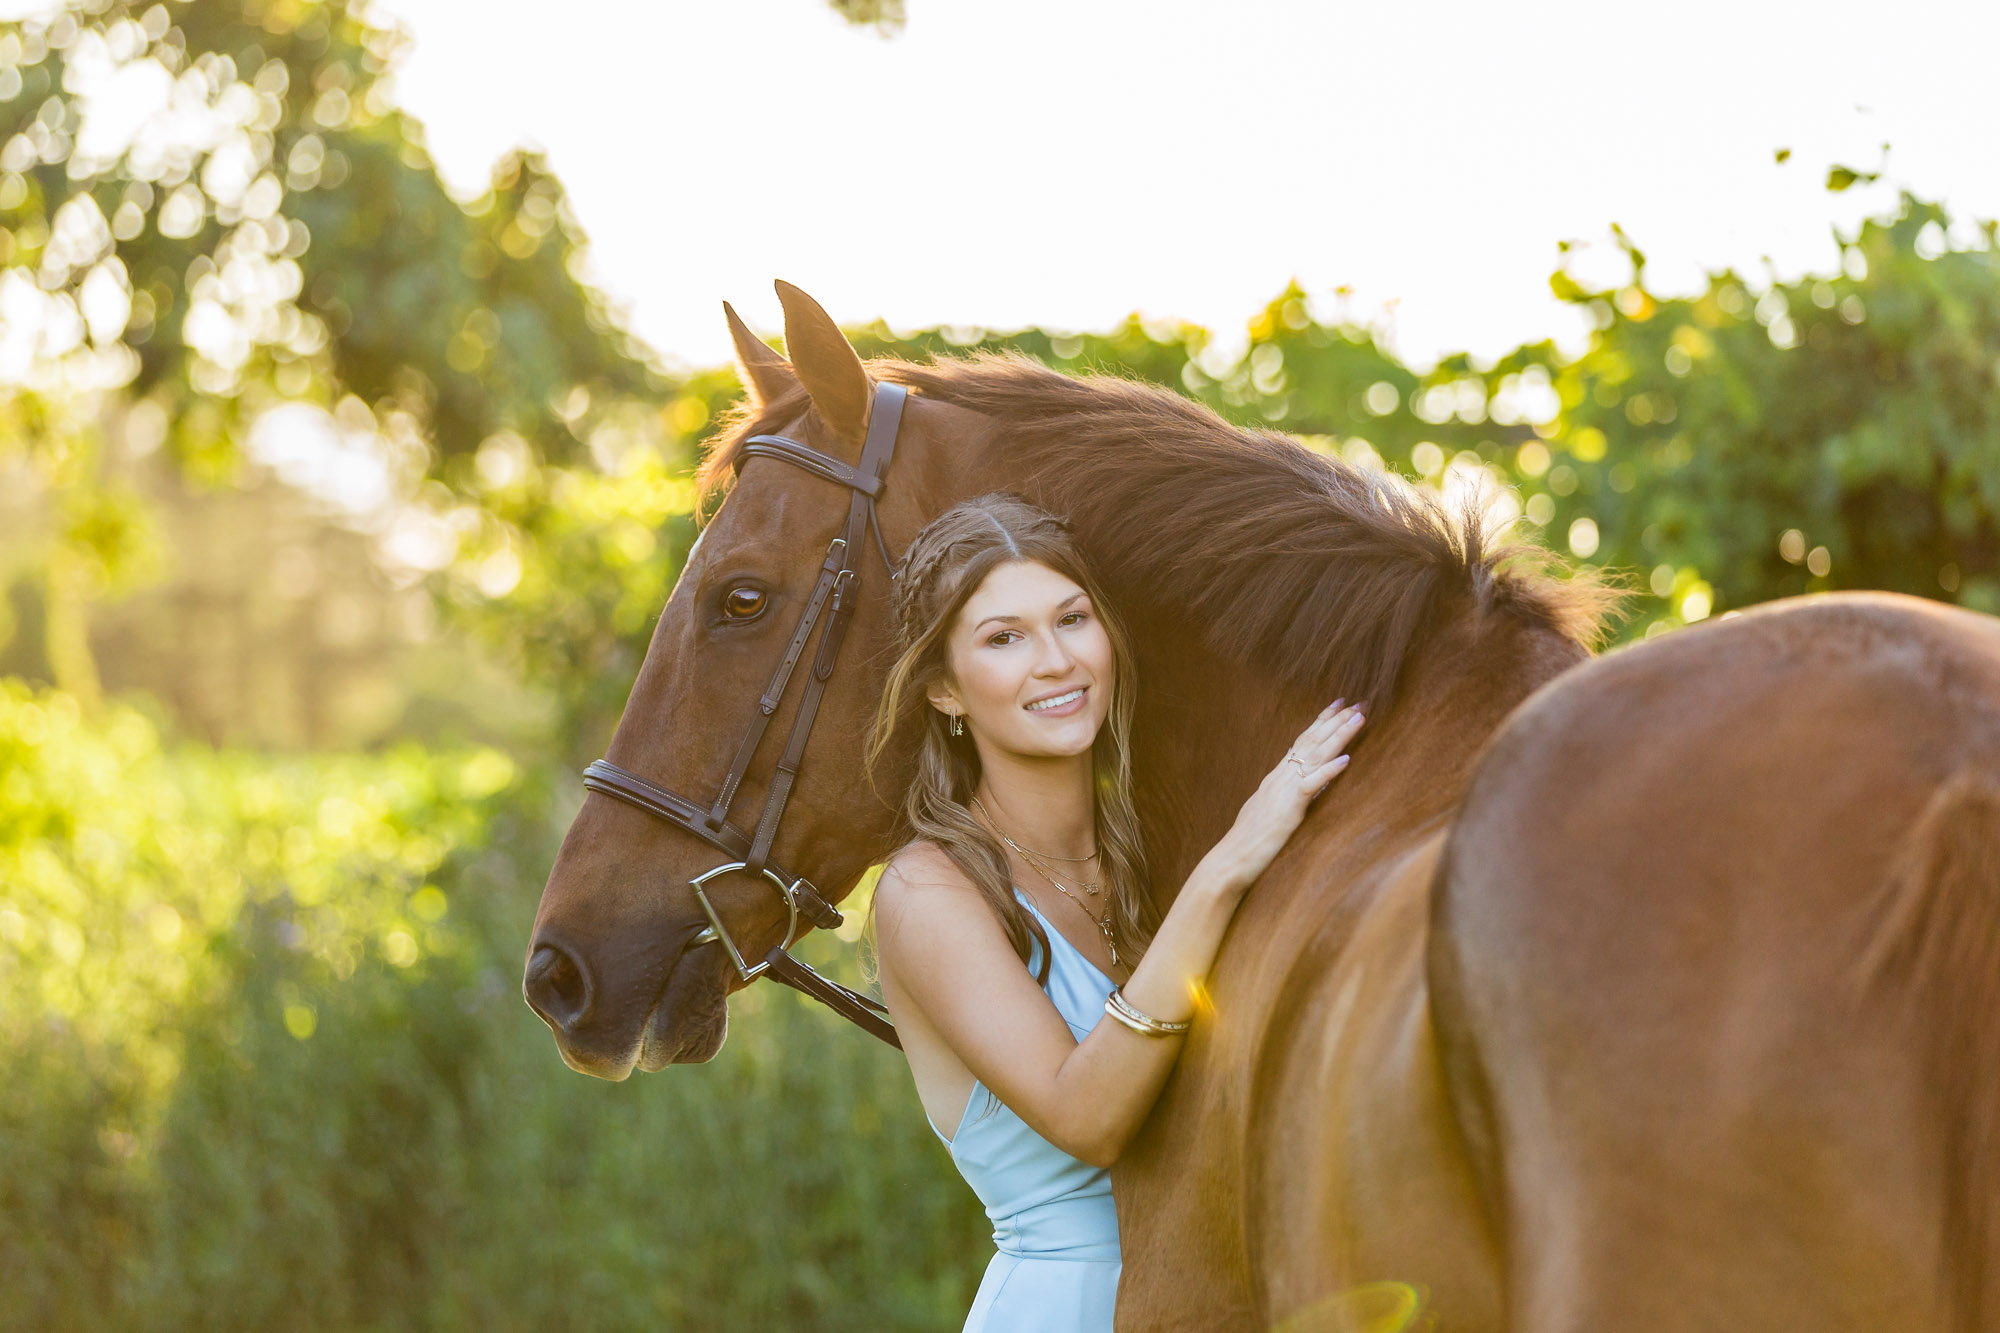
x=957, y=725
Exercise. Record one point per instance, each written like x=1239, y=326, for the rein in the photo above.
x=833, y=597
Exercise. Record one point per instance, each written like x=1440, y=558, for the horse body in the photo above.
x=1510, y=1020
x=1718, y=938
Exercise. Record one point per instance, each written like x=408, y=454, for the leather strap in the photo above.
x=851, y=1005
x=829, y=574
x=610, y=780
x=833, y=597
x=812, y=460
x=884, y=420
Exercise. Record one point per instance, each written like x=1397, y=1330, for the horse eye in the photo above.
x=743, y=603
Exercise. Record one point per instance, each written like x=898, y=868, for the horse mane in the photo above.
x=1319, y=570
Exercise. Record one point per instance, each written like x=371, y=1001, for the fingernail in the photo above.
x=1342, y=761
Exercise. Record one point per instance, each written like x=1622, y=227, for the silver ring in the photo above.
x=1292, y=758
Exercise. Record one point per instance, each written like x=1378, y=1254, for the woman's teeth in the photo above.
x=1056, y=702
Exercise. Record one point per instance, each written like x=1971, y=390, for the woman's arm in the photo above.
x=945, y=954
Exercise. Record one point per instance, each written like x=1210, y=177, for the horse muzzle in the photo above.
x=681, y=1017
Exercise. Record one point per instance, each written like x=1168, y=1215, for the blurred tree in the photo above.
x=885, y=16
x=267, y=228
x=1838, y=431
x=272, y=225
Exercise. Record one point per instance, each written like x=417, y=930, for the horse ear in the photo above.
x=826, y=364
x=764, y=373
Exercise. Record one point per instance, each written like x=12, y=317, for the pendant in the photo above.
x=1104, y=929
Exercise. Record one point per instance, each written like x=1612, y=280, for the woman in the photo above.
x=1015, y=685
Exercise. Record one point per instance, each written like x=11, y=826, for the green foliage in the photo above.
x=885, y=16
x=268, y=1067
x=565, y=568
x=303, y=246
x=1839, y=431
x=283, y=237
x=143, y=892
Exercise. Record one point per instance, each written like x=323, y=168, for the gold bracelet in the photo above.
x=1139, y=1021
x=1139, y=1028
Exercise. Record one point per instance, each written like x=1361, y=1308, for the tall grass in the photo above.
x=266, y=1065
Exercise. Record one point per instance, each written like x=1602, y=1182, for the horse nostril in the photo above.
x=557, y=987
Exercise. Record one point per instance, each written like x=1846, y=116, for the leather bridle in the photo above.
x=834, y=597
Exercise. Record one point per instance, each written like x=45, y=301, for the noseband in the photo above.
x=835, y=595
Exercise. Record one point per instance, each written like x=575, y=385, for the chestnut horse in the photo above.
x=1653, y=991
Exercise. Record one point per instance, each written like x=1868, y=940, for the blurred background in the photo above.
x=341, y=482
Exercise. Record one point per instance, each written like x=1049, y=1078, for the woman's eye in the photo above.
x=1073, y=618
x=1002, y=639
x=743, y=603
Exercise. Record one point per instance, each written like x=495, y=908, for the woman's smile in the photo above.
x=1059, y=705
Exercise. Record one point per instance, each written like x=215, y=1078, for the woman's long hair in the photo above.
x=943, y=567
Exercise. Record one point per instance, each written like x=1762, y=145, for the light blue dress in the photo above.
x=1053, y=1222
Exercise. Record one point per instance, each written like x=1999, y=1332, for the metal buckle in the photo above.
x=717, y=931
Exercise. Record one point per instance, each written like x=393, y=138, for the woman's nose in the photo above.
x=1051, y=657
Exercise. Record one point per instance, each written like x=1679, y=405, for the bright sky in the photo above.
x=1064, y=162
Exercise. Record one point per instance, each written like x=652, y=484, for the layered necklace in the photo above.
x=1039, y=862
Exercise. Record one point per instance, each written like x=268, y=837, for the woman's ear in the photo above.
x=943, y=699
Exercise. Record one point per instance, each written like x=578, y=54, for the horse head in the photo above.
x=624, y=964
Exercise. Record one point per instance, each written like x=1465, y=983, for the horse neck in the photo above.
x=1209, y=731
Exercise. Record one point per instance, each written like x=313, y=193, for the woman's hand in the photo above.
x=1280, y=802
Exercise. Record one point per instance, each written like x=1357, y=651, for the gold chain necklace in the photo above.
x=1104, y=924
x=1043, y=869
x=1046, y=856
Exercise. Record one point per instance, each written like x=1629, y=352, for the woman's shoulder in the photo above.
x=922, y=887
x=921, y=868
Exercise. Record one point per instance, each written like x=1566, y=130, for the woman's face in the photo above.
x=1030, y=664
